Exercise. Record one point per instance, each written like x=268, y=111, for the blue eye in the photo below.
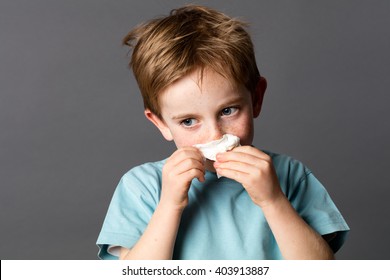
x=188, y=122
x=228, y=111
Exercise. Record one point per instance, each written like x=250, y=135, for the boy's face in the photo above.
x=196, y=111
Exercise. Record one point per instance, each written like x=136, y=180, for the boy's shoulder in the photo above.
x=148, y=169
x=287, y=167
x=282, y=159
x=144, y=179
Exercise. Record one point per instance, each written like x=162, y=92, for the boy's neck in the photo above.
x=209, y=165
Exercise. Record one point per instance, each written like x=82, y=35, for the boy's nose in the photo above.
x=215, y=132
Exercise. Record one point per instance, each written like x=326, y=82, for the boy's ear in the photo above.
x=258, y=96
x=160, y=124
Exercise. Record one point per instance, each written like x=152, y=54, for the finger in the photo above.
x=183, y=177
x=188, y=164
x=233, y=174
x=246, y=174
x=188, y=152
x=244, y=154
x=184, y=153
x=239, y=166
x=192, y=174
x=250, y=150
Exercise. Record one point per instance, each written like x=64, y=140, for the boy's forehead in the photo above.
x=207, y=74
x=199, y=90
x=205, y=78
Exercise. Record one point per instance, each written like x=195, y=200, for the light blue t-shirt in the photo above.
x=221, y=221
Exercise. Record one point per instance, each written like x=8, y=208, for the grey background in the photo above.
x=72, y=122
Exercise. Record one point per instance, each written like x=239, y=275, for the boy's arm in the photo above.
x=296, y=239
x=158, y=239
x=254, y=170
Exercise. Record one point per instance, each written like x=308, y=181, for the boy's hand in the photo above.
x=181, y=168
x=254, y=170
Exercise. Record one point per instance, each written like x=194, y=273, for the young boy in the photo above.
x=197, y=73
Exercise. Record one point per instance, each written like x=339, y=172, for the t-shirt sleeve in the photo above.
x=130, y=210
x=313, y=203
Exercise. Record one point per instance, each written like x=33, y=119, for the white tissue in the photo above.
x=211, y=149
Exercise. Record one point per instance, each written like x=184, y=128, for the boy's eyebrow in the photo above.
x=232, y=101
x=183, y=116
x=225, y=104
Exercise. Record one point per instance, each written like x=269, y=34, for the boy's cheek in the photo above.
x=186, y=140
